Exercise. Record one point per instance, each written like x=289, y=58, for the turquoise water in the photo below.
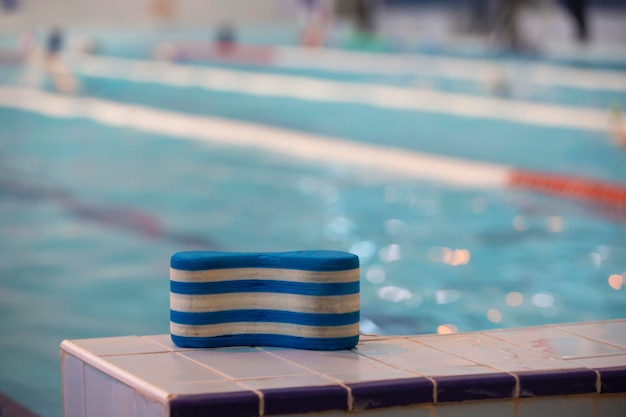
x=90, y=215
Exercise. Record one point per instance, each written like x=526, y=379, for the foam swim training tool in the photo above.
x=303, y=300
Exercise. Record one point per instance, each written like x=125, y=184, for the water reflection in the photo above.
x=447, y=296
x=514, y=298
x=396, y=227
x=375, y=274
x=338, y=228
x=364, y=249
x=494, y=315
x=390, y=253
x=616, y=281
x=449, y=256
x=447, y=329
x=394, y=294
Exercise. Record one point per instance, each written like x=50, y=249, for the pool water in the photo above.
x=90, y=215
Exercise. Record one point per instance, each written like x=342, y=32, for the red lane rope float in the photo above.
x=595, y=191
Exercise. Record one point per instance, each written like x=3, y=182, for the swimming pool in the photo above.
x=92, y=212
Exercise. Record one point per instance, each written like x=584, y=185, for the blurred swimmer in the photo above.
x=225, y=38
x=62, y=79
x=617, y=126
x=317, y=19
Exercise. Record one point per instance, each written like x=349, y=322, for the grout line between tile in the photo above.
x=168, y=348
x=593, y=339
x=349, y=397
x=411, y=371
x=83, y=370
x=258, y=393
x=418, y=342
x=516, y=390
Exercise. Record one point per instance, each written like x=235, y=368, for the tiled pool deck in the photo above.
x=573, y=369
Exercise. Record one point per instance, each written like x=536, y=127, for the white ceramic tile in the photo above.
x=432, y=371
x=288, y=382
x=73, y=386
x=552, y=341
x=245, y=363
x=122, y=400
x=477, y=409
x=97, y=393
x=146, y=407
x=165, y=340
x=371, y=374
x=408, y=355
x=480, y=348
x=167, y=371
x=321, y=361
x=189, y=388
x=329, y=362
x=601, y=361
x=119, y=345
x=566, y=405
x=613, y=332
x=611, y=405
x=542, y=365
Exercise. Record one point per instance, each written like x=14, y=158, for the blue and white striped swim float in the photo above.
x=303, y=300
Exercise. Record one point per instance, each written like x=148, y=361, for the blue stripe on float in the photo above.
x=312, y=343
x=271, y=286
x=314, y=260
x=272, y=316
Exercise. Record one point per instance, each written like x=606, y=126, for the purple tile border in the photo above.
x=390, y=393
x=561, y=382
x=475, y=387
x=305, y=399
x=612, y=380
x=235, y=404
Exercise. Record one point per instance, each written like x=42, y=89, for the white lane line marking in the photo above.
x=311, y=89
x=317, y=148
x=448, y=67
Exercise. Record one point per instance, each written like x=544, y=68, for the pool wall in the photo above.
x=574, y=369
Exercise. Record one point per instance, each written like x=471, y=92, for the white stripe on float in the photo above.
x=316, y=148
x=264, y=301
x=448, y=67
x=287, y=329
x=312, y=89
x=289, y=275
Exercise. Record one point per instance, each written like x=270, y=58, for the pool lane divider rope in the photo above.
x=402, y=163
x=570, y=186
x=302, y=299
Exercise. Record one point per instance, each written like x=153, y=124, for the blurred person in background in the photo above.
x=506, y=25
x=578, y=12
x=617, y=125
x=62, y=80
x=363, y=17
x=225, y=38
x=317, y=17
